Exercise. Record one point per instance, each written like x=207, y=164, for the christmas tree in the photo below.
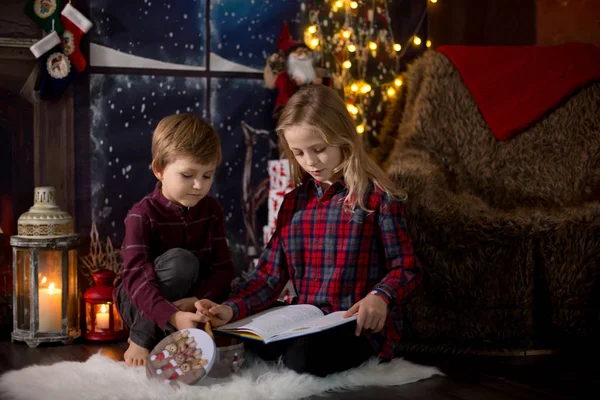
x=358, y=43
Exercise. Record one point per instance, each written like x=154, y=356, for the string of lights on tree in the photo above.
x=355, y=44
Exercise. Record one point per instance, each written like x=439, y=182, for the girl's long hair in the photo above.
x=321, y=109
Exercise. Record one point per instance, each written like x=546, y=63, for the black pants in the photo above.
x=320, y=354
x=177, y=271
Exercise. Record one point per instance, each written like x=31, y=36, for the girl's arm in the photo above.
x=404, y=269
x=265, y=283
x=222, y=271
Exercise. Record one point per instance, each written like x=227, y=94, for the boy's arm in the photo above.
x=218, y=285
x=139, y=278
x=404, y=269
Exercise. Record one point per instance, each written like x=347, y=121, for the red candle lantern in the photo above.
x=102, y=318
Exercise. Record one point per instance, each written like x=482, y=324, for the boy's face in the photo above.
x=185, y=181
x=313, y=154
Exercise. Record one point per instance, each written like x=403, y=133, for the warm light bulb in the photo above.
x=346, y=34
x=353, y=4
x=44, y=280
x=366, y=88
x=312, y=29
x=351, y=48
x=391, y=92
x=428, y=43
x=372, y=45
x=433, y=1
x=103, y=309
x=347, y=64
x=314, y=43
x=352, y=109
x=354, y=87
x=417, y=40
x=360, y=128
x=51, y=288
x=339, y=4
x=397, y=47
x=398, y=82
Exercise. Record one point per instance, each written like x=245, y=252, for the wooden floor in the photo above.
x=561, y=376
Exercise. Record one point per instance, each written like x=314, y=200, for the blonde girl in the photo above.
x=341, y=238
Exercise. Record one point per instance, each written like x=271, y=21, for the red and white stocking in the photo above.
x=176, y=374
x=160, y=356
x=76, y=24
x=172, y=364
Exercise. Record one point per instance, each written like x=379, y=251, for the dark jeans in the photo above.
x=177, y=271
x=334, y=350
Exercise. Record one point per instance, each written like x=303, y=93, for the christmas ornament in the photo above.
x=75, y=25
x=44, y=13
x=56, y=70
x=289, y=69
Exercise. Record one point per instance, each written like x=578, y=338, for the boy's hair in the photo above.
x=319, y=108
x=184, y=135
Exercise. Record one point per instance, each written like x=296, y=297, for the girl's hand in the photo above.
x=372, y=311
x=186, y=320
x=186, y=304
x=219, y=314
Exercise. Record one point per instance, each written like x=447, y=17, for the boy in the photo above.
x=174, y=250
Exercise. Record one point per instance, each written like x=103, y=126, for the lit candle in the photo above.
x=50, y=309
x=102, y=318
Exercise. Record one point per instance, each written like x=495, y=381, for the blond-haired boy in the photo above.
x=175, y=250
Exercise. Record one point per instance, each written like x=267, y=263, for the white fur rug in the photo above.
x=102, y=378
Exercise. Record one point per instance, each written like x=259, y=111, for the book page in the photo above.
x=317, y=325
x=274, y=321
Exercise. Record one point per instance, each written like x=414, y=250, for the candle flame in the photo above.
x=50, y=288
x=103, y=309
x=43, y=280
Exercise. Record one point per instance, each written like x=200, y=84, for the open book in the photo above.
x=285, y=322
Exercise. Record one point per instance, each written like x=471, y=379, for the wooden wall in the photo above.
x=482, y=22
x=563, y=21
x=52, y=121
x=513, y=22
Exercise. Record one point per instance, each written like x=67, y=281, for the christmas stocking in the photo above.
x=176, y=374
x=172, y=364
x=43, y=12
x=56, y=71
x=75, y=24
x=160, y=356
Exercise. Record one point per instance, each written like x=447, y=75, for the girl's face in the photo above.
x=313, y=154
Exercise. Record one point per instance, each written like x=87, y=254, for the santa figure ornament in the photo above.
x=298, y=71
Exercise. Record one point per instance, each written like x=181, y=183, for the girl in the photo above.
x=341, y=238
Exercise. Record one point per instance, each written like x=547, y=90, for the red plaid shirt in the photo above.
x=336, y=257
x=155, y=225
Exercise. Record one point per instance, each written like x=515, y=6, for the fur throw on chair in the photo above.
x=509, y=231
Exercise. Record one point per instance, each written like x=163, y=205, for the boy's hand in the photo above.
x=219, y=314
x=186, y=320
x=186, y=304
x=372, y=311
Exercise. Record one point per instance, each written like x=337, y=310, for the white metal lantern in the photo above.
x=45, y=293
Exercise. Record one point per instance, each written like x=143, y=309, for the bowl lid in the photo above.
x=185, y=356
